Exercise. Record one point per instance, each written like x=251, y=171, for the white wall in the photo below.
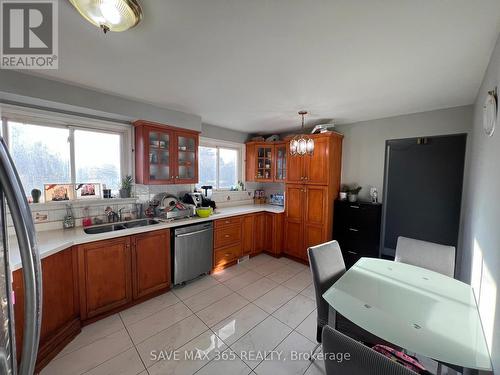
x=364, y=142
x=481, y=224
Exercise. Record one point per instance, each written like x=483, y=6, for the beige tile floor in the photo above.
x=262, y=304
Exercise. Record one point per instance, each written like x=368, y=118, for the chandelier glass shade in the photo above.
x=110, y=15
x=301, y=144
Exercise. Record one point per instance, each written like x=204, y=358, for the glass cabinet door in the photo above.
x=186, y=157
x=280, y=155
x=159, y=156
x=264, y=163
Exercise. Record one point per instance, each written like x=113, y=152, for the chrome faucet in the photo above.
x=111, y=215
x=120, y=215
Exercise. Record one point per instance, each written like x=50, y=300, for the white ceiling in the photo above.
x=250, y=65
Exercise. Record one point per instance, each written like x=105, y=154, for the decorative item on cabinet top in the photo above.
x=165, y=154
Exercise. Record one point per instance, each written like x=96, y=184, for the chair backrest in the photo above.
x=345, y=356
x=327, y=266
x=433, y=256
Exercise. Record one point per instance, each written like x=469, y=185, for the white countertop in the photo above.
x=53, y=241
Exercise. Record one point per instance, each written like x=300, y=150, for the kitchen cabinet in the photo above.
x=150, y=262
x=274, y=233
x=165, y=154
x=320, y=168
x=312, y=183
x=305, y=218
x=114, y=273
x=227, y=242
x=260, y=233
x=280, y=161
x=266, y=161
x=105, y=276
x=61, y=322
x=247, y=234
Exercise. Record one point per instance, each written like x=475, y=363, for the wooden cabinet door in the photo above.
x=61, y=305
x=264, y=162
x=150, y=262
x=280, y=151
x=104, y=269
x=316, y=166
x=294, y=219
x=186, y=158
x=248, y=234
x=260, y=233
x=158, y=156
x=250, y=162
x=294, y=168
x=278, y=233
x=315, y=216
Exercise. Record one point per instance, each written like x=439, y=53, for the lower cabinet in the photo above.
x=150, y=263
x=61, y=314
x=260, y=234
x=114, y=272
x=248, y=234
x=105, y=270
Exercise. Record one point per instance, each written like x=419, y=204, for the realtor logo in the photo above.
x=29, y=34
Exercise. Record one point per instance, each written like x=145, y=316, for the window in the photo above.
x=219, y=165
x=65, y=154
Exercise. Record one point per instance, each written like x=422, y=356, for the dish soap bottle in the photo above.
x=86, y=220
x=69, y=219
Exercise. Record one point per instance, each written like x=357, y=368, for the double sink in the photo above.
x=119, y=226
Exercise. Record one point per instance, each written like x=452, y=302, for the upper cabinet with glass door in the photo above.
x=164, y=154
x=186, y=158
x=265, y=161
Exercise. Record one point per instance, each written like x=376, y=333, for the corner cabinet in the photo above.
x=165, y=154
x=265, y=161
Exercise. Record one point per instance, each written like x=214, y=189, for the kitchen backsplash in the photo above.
x=49, y=216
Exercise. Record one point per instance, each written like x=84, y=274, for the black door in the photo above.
x=423, y=190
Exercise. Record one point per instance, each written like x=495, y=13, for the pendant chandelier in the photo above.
x=301, y=144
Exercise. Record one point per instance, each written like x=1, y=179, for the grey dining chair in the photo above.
x=362, y=360
x=433, y=256
x=327, y=266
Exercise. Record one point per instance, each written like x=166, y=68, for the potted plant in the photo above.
x=343, y=192
x=352, y=194
x=126, y=187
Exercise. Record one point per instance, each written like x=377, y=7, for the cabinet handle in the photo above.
x=306, y=178
x=354, y=206
x=302, y=177
x=227, y=221
x=226, y=235
x=352, y=252
x=227, y=254
x=354, y=230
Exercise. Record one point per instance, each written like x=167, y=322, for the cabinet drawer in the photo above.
x=227, y=235
x=226, y=255
x=235, y=220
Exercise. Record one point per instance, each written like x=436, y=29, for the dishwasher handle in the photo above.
x=192, y=233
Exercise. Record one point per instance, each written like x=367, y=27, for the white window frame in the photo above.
x=239, y=147
x=71, y=122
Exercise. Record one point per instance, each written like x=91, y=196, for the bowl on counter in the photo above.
x=204, y=211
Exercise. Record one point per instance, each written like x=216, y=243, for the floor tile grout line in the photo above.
x=149, y=315
x=90, y=343
x=135, y=346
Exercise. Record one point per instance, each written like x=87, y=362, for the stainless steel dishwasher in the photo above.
x=193, y=251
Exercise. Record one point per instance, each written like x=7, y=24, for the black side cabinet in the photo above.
x=356, y=227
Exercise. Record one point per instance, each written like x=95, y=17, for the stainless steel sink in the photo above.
x=140, y=223
x=119, y=226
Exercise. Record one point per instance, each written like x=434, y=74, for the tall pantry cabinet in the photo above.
x=312, y=184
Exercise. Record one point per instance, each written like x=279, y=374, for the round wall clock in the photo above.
x=490, y=113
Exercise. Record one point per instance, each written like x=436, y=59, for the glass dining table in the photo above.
x=414, y=308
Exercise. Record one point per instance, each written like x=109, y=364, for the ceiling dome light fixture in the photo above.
x=301, y=144
x=110, y=15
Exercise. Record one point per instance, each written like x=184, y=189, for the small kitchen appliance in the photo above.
x=193, y=198
x=277, y=199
